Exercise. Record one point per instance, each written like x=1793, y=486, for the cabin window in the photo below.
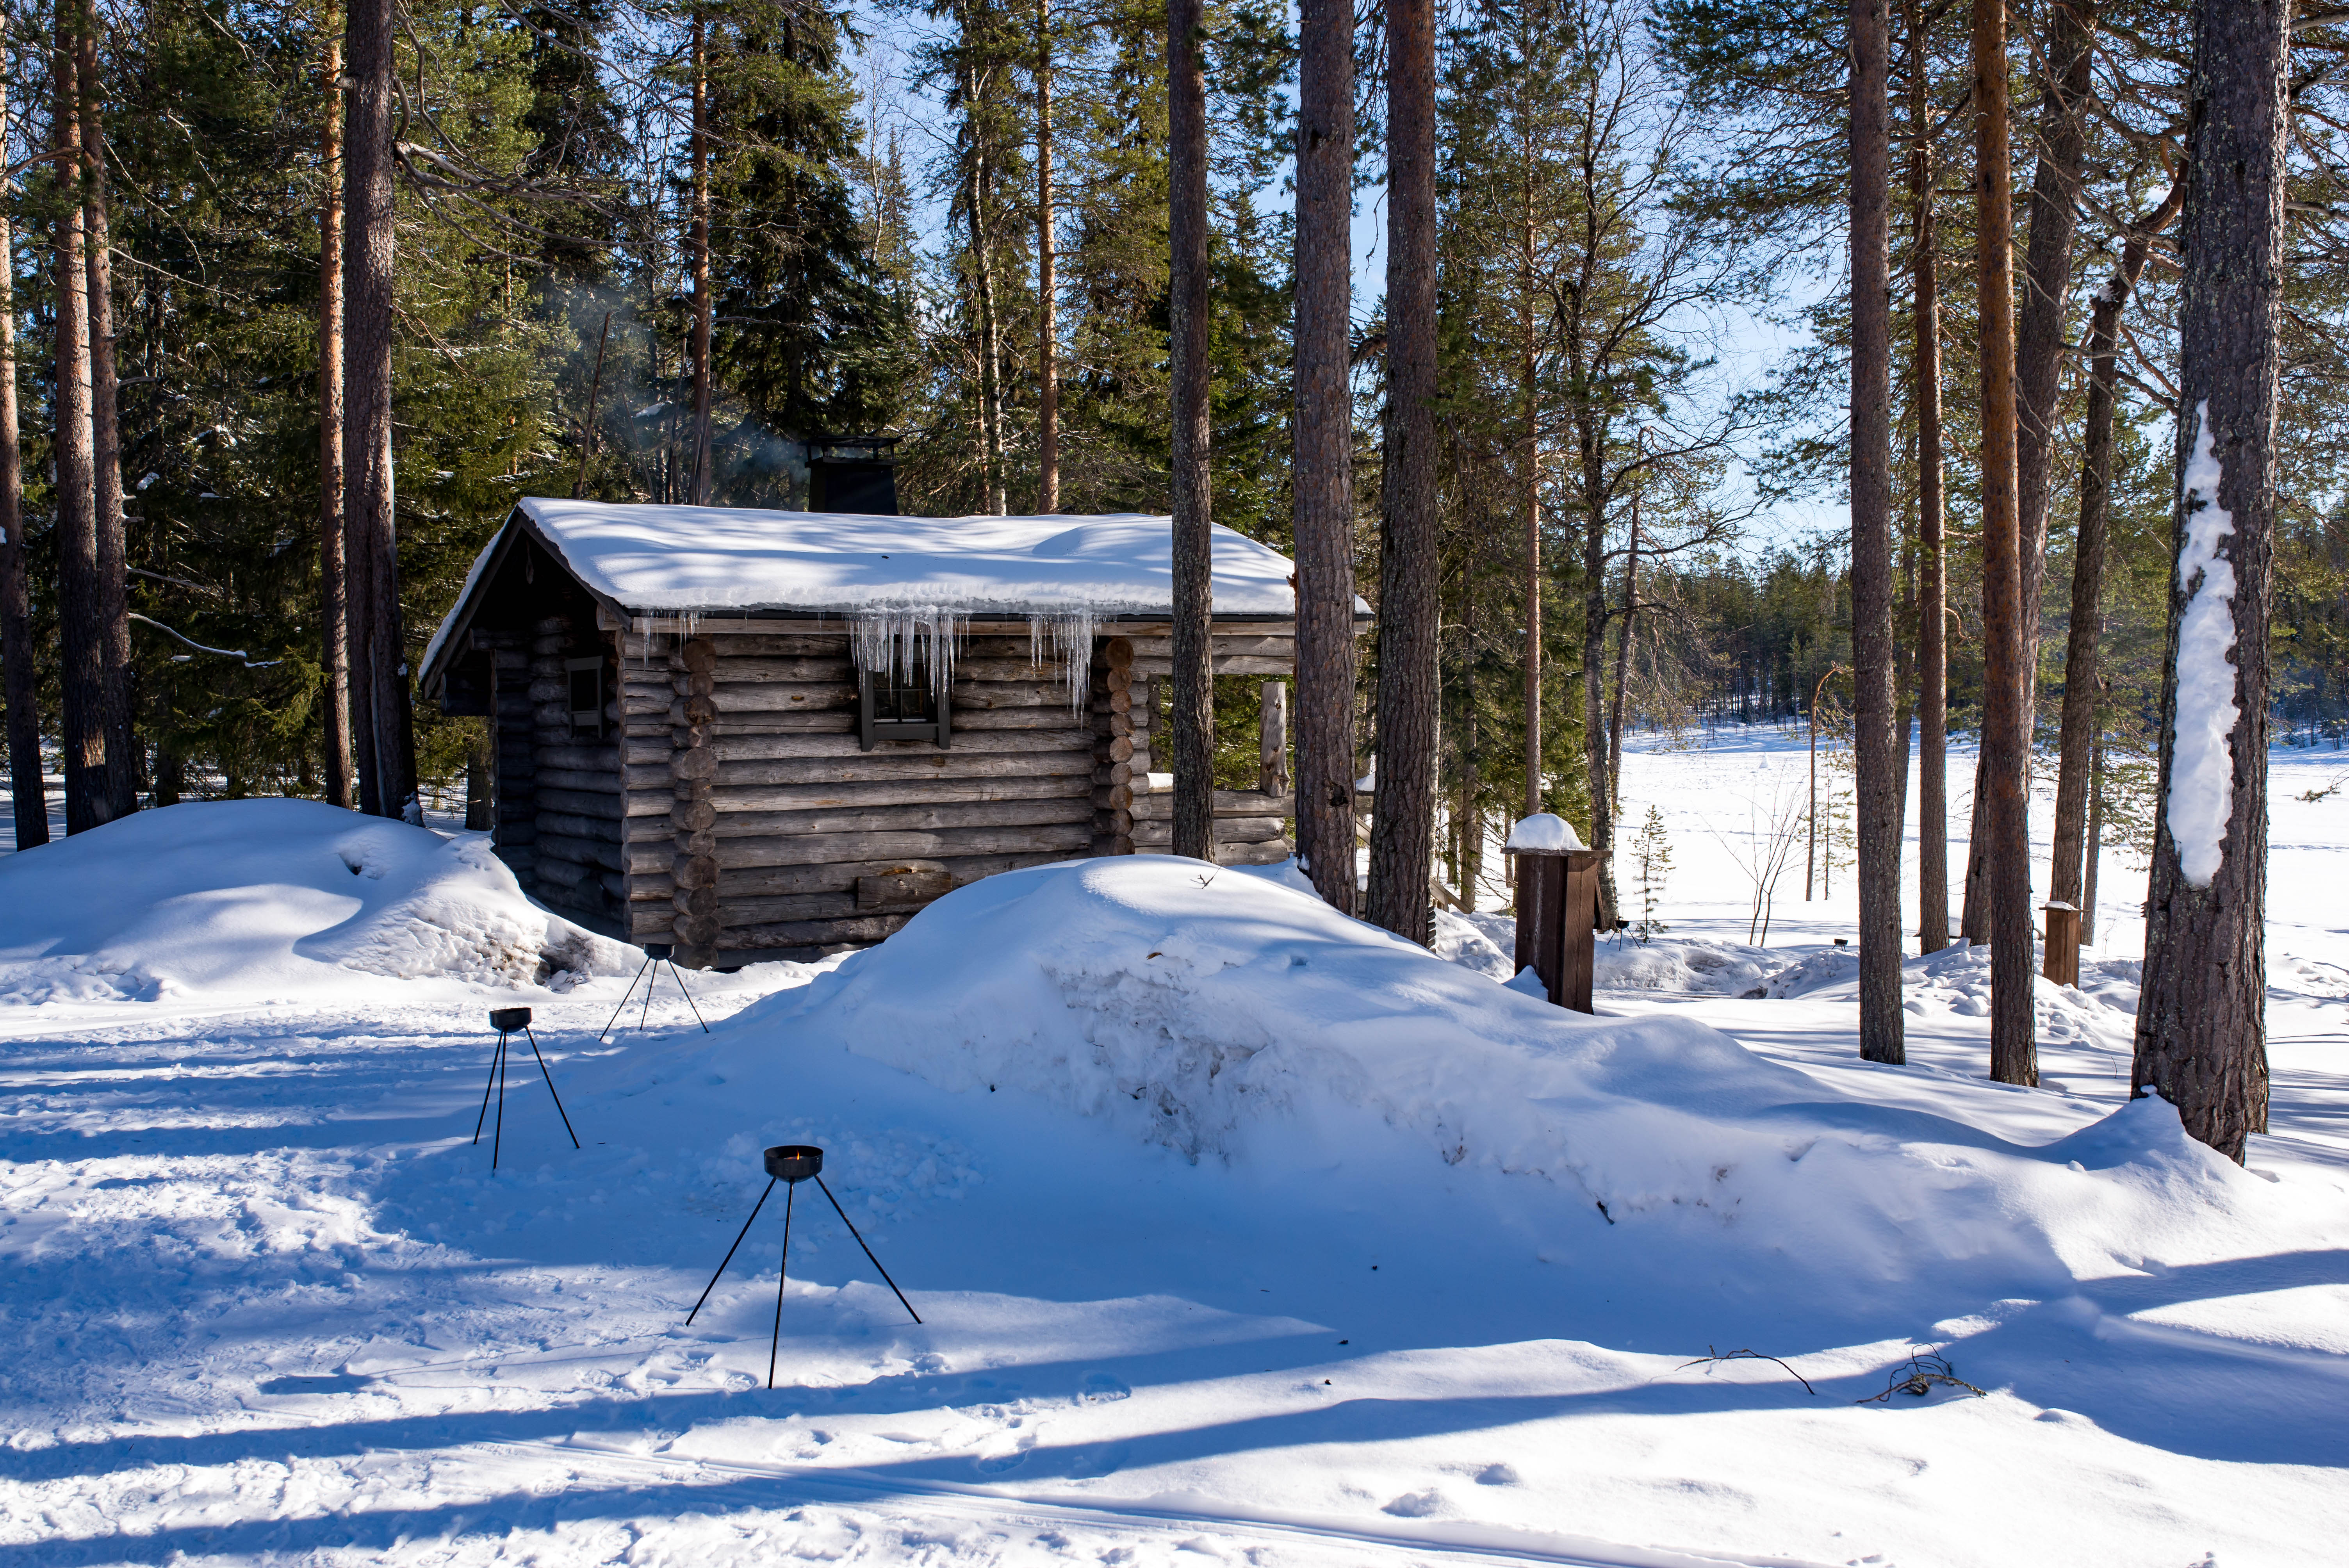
x=586, y=678
x=893, y=705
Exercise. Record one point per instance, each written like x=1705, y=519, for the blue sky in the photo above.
x=1745, y=342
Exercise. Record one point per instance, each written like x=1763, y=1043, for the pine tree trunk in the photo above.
x=1591, y=443
x=700, y=241
x=2039, y=357
x=1622, y=687
x=2005, y=680
x=2046, y=287
x=333, y=589
x=1874, y=760
x=1048, y=295
x=1974, y=910
x=1402, y=829
x=106, y=436
x=1904, y=669
x=371, y=534
x=480, y=773
x=2201, y=1033
x=1468, y=819
x=1323, y=473
x=2080, y=677
x=27, y=791
x=1529, y=397
x=81, y=596
x=2096, y=836
x=982, y=268
x=1194, y=684
x=2082, y=685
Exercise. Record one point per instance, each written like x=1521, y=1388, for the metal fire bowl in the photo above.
x=506, y=1020
x=794, y=1162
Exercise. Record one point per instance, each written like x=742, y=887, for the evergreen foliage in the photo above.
x=1619, y=185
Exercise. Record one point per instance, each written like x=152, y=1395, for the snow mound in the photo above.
x=1956, y=980
x=1487, y=943
x=272, y=895
x=1814, y=972
x=1686, y=966
x=1236, y=1020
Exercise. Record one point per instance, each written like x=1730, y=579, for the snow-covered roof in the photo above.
x=706, y=560
x=702, y=559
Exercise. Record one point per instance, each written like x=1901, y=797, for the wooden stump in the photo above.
x=1557, y=911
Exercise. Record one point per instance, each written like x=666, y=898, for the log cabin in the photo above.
x=752, y=735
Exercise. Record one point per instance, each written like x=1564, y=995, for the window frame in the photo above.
x=871, y=729
x=571, y=669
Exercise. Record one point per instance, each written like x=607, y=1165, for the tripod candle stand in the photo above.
x=792, y=1163
x=655, y=953
x=506, y=1021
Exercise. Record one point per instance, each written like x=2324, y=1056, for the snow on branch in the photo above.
x=247, y=660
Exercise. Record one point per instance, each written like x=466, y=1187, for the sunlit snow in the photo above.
x=1240, y=1231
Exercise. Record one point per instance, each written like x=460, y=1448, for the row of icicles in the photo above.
x=905, y=640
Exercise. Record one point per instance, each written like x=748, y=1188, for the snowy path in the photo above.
x=266, y=1303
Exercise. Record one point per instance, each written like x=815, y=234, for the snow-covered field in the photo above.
x=1238, y=1233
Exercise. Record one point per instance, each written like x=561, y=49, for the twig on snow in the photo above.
x=1927, y=1370
x=1711, y=1356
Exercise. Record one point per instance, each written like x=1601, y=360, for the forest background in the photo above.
x=1619, y=186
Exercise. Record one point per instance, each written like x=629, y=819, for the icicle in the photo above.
x=1071, y=633
x=887, y=639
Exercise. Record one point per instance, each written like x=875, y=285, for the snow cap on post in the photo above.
x=1544, y=832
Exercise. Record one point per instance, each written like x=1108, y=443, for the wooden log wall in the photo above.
x=755, y=823
x=751, y=822
x=576, y=799
x=642, y=883
x=513, y=826
x=1113, y=744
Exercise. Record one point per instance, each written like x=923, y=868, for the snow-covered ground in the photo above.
x=1239, y=1233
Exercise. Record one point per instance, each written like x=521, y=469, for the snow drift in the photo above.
x=1234, y=1019
x=1683, y=965
x=239, y=895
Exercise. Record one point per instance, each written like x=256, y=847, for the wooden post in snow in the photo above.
x=2062, y=963
x=1558, y=912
